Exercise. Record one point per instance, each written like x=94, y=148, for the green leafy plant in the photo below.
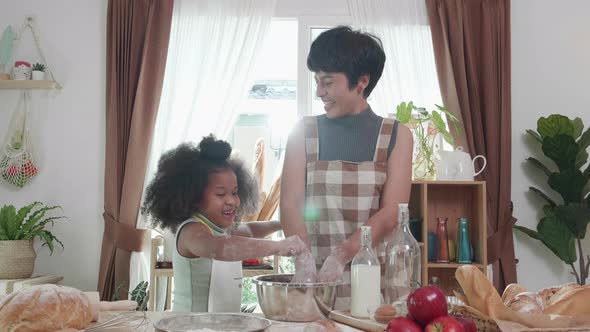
x=248, y=292
x=139, y=294
x=564, y=223
x=27, y=223
x=38, y=67
x=426, y=125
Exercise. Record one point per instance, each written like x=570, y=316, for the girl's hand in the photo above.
x=305, y=270
x=291, y=246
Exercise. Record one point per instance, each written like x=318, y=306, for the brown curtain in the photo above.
x=138, y=32
x=471, y=40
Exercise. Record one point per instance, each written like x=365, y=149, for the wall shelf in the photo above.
x=451, y=199
x=452, y=265
x=27, y=84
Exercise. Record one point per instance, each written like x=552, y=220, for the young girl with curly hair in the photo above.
x=198, y=192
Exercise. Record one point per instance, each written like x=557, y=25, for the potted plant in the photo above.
x=564, y=223
x=139, y=294
x=426, y=125
x=17, y=231
x=38, y=71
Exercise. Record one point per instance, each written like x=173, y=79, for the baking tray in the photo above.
x=212, y=322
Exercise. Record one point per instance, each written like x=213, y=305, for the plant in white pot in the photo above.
x=18, y=228
x=38, y=71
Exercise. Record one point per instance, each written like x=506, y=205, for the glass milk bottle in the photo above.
x=403, y=269
x=365, y=278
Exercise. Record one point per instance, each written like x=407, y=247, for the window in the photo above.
x=277, y=97
x=269, y=108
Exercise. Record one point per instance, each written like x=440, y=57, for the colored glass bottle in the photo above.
x=442, y=241
x=464, y=249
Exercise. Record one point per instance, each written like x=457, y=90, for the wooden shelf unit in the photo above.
x=450, y=199
x=27, y=84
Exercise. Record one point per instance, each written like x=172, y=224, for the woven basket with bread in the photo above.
x=559, y=308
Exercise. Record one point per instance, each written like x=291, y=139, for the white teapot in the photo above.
x=457, y=166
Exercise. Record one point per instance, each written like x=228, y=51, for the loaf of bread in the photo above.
x=511, y=291
x=570, y=310
x=527, y=302
x=45, y=308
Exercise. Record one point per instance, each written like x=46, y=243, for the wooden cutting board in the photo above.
x=344, y=317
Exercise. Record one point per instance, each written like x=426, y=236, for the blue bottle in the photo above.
x=464, y=248
x=431, y=247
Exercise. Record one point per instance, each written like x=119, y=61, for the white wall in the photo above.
x=550, y=74
x=68, y=130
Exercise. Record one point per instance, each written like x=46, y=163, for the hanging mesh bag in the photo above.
x=17, y=163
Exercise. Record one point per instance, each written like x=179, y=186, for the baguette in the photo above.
x=575, y=302
x=560, y=293
x=479, y=291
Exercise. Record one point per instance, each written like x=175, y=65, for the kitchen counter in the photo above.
x=153, y=316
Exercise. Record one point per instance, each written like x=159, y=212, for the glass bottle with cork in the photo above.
x=403, y=260
x=365, y=278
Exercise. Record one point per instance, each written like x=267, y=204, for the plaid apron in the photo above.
x=340, y=197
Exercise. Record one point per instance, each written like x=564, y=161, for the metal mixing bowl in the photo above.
x=281, y=300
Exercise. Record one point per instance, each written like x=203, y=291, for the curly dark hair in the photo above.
x=352, y=52
x=182, y=176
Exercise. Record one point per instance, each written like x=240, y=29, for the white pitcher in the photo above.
x=457, y=166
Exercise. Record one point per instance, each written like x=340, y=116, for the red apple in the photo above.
x=444, y=324
x=427, y=303
x=403, y=324
x=467, y=323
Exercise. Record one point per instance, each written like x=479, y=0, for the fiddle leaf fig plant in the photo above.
x=565, y=221
x=27, y=223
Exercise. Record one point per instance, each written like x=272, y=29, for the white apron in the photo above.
x=225, y=287
x=225, y=290
x=205, y=284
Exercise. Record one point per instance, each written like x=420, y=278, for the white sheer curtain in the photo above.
x=410, y=71
x=213, y=44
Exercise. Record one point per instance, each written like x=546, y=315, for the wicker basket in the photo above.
x=487, y=324
x=483, y=322
x=17, y=259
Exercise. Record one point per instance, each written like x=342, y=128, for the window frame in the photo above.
x=304, y=81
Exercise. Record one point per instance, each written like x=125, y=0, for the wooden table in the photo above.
x=155, y=316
